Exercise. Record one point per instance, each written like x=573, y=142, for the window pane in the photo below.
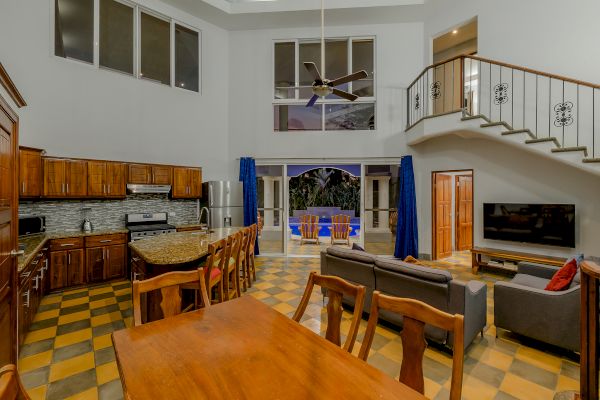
x=297, y=118
x=363, y=58
x=116, y=36
x=309, y=52
x=155, y=49
x=186, y=58
x=336, y=62
x=285, y=71
x=74, y=29
x=350, y=117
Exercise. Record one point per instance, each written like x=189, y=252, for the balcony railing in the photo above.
x=546, y=106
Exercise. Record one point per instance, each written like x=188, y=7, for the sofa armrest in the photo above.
x=470, y=300
x=539, y=270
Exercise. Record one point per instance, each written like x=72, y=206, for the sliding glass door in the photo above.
x=270, y=183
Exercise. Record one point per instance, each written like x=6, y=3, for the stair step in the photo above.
x=472, y=117
x=569, y=149
x=591, y=160
x=501, y=123
x=516, y=131
x=543, y=140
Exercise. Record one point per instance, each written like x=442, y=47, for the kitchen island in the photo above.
x=181, y=251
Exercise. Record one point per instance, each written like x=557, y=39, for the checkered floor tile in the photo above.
x=68, y=353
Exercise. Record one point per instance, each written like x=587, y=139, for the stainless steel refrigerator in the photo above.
x=225, y=203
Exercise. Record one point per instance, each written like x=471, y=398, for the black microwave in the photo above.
x=32, y=225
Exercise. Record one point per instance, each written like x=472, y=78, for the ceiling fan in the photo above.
x=323, y=87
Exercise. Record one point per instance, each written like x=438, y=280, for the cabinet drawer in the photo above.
x=66, y=244
x=105, y=240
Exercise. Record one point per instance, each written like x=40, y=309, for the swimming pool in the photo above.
x=324, y=224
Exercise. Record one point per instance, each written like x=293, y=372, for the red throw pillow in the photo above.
x=563, y=277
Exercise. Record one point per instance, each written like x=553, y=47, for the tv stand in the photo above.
x=477, y=252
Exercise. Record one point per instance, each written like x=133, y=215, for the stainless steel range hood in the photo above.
x=138, y=189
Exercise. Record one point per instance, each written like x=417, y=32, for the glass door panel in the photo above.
x=270, y=192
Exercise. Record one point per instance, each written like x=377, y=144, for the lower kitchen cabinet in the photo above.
x=32, y=283
x=94, y=258
x=66, y=268
x=116, y=262
x=105, y=263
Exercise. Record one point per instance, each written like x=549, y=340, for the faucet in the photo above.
x=207, y=217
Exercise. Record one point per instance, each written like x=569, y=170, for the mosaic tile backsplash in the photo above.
x=108, y=214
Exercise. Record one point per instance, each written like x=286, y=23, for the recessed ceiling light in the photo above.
x=454, y=32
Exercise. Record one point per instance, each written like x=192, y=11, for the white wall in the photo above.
x=79, y=111
x=398, y=61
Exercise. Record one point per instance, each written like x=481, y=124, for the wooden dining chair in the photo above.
x=11, y=387
x=170, y=286
x=213, y=270
x=246, y=281
x=336, y=289
x=250, y=256
x=309, y=228
x=340, y=229
x=231, y=279
x=415, y=315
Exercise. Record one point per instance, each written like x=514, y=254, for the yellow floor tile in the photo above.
x=38, y=393
x=41, y=334
x=431, y=388
x=260, y=295
x=72, y=366
x=566, y=383
x=36, y=361
x=50, y=300
x=283, y=308
x=524, y=389
x=285, y=296
x=474, y=389
x=72, y=338
x=106, y=318
x=393, y=351
x=263, y=285
x=122, y=292
x=539, y=359
x=101, y=342
x=497, y=359
x=90, y=394
x=102, y=290
x=102, y=303
x=46, y=315
x=76, y=316
x=125, y=305
x=74, y=302
x=107, y=372
x=73, y=291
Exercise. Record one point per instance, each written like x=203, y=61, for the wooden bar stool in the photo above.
x=231, y=279
x=246, y=281
x=251, y=249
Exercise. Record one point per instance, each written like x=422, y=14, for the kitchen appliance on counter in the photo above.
x=87, y=226
x=225, y=203
x=146, y=225
x=31, y=225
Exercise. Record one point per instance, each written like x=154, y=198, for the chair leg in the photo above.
x=244, y=278
x=237, y=282
x=253, y=267
x=248, y=275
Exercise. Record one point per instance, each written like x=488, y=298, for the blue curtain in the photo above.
x=407, y=232
x=248, y=177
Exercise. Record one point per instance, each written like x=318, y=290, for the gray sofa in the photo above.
x=524, y=307
x=430, y=285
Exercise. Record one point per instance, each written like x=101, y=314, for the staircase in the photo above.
x=475, y=97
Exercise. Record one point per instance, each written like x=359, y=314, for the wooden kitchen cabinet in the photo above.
x=106, y=257
x=106, y=179
x=116, y=262
x=54, y=177
x=76, y=178
x=145, y=174
x=32, y=283
x=30, y=172
x=116, y=182
x=161, y=175
x=95, y=264
x=64, y=178
x=187, y=183
x=66, y=267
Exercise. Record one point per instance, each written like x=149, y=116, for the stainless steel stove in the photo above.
x=146, y=225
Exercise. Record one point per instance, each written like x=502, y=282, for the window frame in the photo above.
x=137, y=10
x=298, y=101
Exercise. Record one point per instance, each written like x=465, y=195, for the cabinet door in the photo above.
x=161, y=175
x=97, y=184
x=23, y=313
x=181, y=182
x=139, y=174
x=76, y=178
x=58, y=269
x=75, y=267
x=116, y=184
x=195, y=183
x=95, y=264
x=30, y=173
x=116, y=260
x=54, y=177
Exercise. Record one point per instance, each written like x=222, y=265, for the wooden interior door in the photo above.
x=9, y=204
x=96, y=178
x=464, y=212
x=443, y=216
x=76, y=178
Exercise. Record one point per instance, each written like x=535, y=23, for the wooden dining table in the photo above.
x=243, y=349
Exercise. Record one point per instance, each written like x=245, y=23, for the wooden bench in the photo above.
x=477, y=252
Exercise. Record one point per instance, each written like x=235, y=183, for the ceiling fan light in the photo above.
x=322, y=90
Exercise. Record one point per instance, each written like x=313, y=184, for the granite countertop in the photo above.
x=33, y=244
x=189, y=226
x=178, y=248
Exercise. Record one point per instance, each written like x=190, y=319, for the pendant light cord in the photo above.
x=323, y=72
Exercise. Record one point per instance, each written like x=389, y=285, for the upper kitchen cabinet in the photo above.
x=64, y=178
x=145, y=174
x=30, y=172
x=187, y=183
x=106, y=179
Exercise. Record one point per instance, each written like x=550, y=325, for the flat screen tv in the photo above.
x=549, y=224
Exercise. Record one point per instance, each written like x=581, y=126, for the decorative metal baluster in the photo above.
x=490, y=116
x=479, y=75
x=500, y=86
x=524, y=97
x=512, y=97
x=549, y=106
x=563, y=125
x=536, y=105
x=577, y=132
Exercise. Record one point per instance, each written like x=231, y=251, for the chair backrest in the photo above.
x=309, y=226
x=340, y=226
x=260, y=222
x=11, y=387
x=216, y=258
x=169, y=286
x=415, y=315
x=252, y=239
x=336, y=289
x=246, y=236
x=234, y=248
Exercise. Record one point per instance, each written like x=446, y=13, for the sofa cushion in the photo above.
x=349, y=254
x=530, y=281
x=563, y=277
x=416, y=271
x=576, y=280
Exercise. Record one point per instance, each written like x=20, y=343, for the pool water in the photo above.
x=324, y=224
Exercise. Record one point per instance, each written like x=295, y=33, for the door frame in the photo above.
x=457, y=207
x=433, y=203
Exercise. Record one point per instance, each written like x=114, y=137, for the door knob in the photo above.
x=16, y=253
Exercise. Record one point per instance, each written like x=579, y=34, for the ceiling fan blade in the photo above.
x=312, y=101
x=314, y=71
x=349, y=78
x=345, y=95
